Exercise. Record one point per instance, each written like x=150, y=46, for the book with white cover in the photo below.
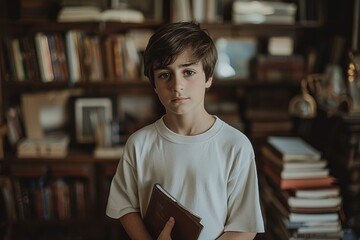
x=113, y=152
x=305, y=165
x=263, y=12
x=52, y=146
x=296, y=225
x=318, y=193
x=309, y=173
x=298, y=165
x=320, y=229
x=309, y=217
x=264, y=8
x=91, y=13
x=293, y=148
x=79, y=13
x=296, y=202
x=44, y=58
x=122, y=15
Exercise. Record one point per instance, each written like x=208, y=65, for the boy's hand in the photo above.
x=166, y=232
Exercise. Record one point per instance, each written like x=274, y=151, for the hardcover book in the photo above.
x=293, y=148
x=161, y=207
x=298, y=165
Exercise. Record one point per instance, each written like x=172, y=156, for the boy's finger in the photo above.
x=168, y=227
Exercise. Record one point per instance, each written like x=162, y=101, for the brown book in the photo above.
x=161, y=207
x=315, y=210
x=109, y=58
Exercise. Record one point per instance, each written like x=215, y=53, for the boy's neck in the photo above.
x=189, y=125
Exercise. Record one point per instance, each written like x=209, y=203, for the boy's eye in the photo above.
x=189, y=73
x=164, y=75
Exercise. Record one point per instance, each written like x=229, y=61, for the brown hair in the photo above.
x=174, y=38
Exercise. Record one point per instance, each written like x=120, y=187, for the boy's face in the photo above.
x=181, y=85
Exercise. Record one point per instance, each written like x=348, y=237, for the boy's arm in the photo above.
x=135, y=228
x=237, y=236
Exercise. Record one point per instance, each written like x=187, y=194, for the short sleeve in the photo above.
x=123, y=196
x=244, y=209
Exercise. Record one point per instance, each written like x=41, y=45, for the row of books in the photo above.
x=74, y=56
x=274, y=68
x=208, y=11
x=26, y=199
x=302, y=198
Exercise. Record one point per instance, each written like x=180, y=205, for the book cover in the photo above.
x=320, y=229
x=301, y=173
x=293, y=148
x=44, y=57
x=52, y=146
x=161, y=207
x=8, y=200
x=315, y=210
x=276, y=161
x=304, y=174
x=318, y=235
x=30, y=58
x=296, y=225
x=318, y=193
x=297, y=202
x=324, y=217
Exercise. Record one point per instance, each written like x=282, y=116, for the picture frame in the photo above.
x=88, y=112
x=234, y=56
x=44, y=114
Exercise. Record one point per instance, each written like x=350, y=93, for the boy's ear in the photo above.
x=209, y=82
x=155, y=90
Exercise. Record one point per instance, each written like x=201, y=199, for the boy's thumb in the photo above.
x=169, y=226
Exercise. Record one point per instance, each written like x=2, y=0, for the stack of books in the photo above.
x=265, y=12
x=47, y=147
x=302, y=198
x=93, y=13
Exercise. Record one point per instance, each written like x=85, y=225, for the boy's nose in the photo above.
x=177, y=83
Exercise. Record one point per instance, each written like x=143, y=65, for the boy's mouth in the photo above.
x=179, y=99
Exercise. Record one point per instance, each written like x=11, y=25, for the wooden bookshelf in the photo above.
x=260, y=106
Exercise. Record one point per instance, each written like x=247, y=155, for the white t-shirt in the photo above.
x=212, y=174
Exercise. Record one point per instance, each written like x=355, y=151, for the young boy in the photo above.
x=206, y=164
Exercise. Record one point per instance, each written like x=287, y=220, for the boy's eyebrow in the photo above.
x=188, y=64
x=180, y=65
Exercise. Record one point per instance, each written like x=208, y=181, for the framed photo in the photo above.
x=88, y=114
x=234, y=58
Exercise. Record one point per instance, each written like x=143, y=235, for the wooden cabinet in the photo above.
x=62, y=198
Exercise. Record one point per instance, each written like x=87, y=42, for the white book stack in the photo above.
x=268, y=12
x=49, y=147
x=92, y=13
x=308, y=210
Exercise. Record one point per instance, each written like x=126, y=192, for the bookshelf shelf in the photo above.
x=74, y=157
x=22, y=27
